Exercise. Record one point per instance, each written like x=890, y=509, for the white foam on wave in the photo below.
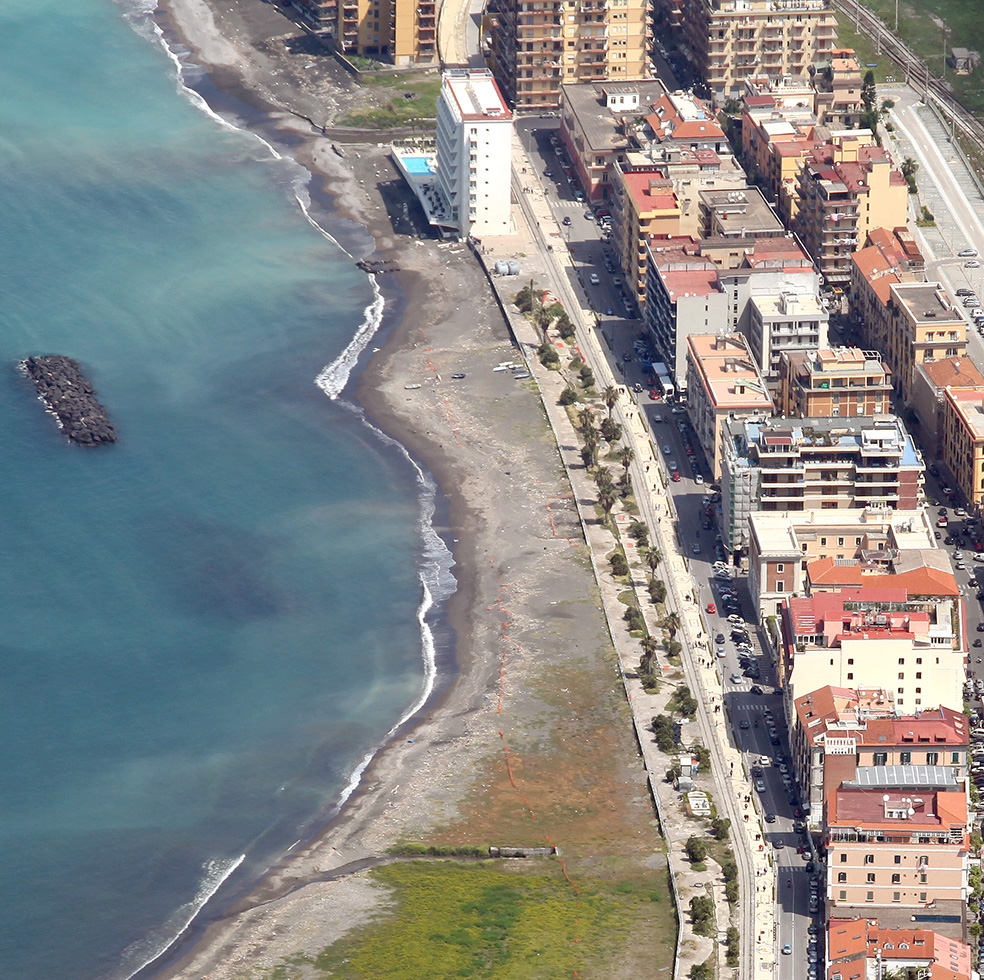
x=156, y=944
x=437, y=583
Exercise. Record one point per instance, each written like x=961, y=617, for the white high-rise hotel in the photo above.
x=474, y=141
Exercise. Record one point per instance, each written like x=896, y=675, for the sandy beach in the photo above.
x=527, y=737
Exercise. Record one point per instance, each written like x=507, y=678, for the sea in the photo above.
x=208, y=628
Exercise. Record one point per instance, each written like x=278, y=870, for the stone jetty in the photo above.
x=70, y=398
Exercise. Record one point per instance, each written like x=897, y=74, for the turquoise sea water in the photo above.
x=205, y=628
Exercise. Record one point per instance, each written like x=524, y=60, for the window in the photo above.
x=843, y=858
x=780, y=586
x=780, y=567
x=869, y=859
x=901, y=675
x=905, y=758
x=841, y=877
x=869, y=896
x=901, y=661
x=922, y=896
x=896, y=879
x=955, y=758
x=898, y=858
x=871, y=877
x=843, y=895
x=850, y=661
x=932, y=758
x=918, y=675
x=896, y=896
x=879, y=759
x=850, y=677
x=840, y=542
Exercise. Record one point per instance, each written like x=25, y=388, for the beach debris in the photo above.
x=414, y=386
x=70, y=398
x=338, y=149
x=523, y=852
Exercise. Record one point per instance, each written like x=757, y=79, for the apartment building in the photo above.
x=683, y=297
x=929, y=383
x=873, y=638
x=799, y=552
x=838, y=730
x=847, y=186
x=815, y=464
x=598, y=127
x=921, y=325
x=962, y=445
x=792, y=319
x=722, y=382
x=742, y=213
x=643, y=205
x=474, y=144
x=897, y=838
x=399, y=31
x=864, y=948
x=726, y=41
x=840, y=382
x=538, y=45
x=837, y=83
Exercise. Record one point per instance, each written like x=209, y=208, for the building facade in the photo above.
x=725, y=42
x=815, y=464
x=474, y=146
x=962, y=445
x=538, y=46
x=833, y=382
x=722, y=382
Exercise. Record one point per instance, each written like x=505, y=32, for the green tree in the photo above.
x=869, y=94
x=639, y=532
x=603, y=477
x=671, y=623
x=587, y=376
x=591, y=442
x=672, y=648
x=653, y=557
x=683, y=702
x=610, y=397
x=657, y=590
x=700, y=752
x=720, y=827
x=734, y=946
x=611, y=431
x=696, y=849
x=569, y=395
x=702, y=971
x=618, y=563
x=909, y=169
x=548, y=355
x=625, y=456
x=585, y=419
x=665, y=731
x=607, y=498
x=650, y=647
x=702, y=913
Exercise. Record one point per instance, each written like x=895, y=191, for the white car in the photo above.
x=698, y=478
x=593, y=279
x=967, y=253
x=972, y=264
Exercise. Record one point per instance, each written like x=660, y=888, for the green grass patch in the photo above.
x=921, y=28
x=481, y=922
x=405, y=99
x=867, y=50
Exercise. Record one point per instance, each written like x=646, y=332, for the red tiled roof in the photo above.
x=924, y=581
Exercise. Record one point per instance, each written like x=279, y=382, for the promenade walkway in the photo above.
x=539, y=248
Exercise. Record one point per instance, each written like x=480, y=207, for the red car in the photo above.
x=654, y=395
x=711, y=608
x=675, y=477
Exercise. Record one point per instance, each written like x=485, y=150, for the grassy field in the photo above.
x=487, y=921
x=395, y=101
x=921, y=26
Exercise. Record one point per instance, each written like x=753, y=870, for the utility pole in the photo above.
x=945, y=31
x=896, y=16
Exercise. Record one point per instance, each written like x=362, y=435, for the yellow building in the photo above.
x=922, y=326
x=399, y=31
x=643, y=204
x=962, y=445
x=537, y=47
x=726, y=42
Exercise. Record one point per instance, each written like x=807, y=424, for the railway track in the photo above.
x=934, y=89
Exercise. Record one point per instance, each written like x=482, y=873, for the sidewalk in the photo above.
x=544, y=259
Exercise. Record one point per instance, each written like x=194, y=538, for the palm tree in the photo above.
x=611, y=430
x=585, y=419
x=653, y=557
x=606, y=500
x=671, y=623
x=591, y=441
x=625, y=456
x=610, y=397
x=603, y=477
x=650, y=647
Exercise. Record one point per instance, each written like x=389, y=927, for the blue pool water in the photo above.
x=418, y=166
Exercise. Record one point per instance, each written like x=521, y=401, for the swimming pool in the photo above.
x=418, y=166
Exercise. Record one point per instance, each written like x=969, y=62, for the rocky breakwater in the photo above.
x=70, y=398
